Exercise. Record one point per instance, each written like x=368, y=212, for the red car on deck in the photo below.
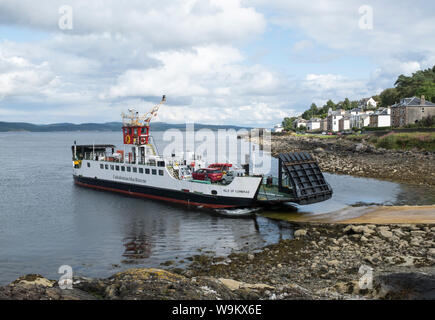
x=208, y=174
x=223, y=167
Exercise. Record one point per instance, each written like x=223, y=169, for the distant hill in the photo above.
x=108, y=126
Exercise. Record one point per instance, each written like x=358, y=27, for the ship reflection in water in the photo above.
x=136, y=248
x=175, y=233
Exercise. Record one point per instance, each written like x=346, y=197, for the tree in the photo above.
x=330, y=104
x=428, y=90
x=389, y=97
x=346, y=104
x=287, y=123
x=311, y=112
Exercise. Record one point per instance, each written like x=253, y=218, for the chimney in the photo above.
x=422, y=100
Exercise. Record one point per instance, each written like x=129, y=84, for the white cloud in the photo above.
x=20, y=77
x=398, y=43
x=163, y=23
x=128, y=53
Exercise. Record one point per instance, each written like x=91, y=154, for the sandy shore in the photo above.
x=372, y=215
x=402, y=214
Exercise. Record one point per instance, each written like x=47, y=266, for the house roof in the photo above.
x=314, y=120
x=412, y=102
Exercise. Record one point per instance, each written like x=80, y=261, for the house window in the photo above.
x=147, y=171
x=134, y=169
x=140, y=170
x=160, y=172
x=154, y=171
x=89, y=165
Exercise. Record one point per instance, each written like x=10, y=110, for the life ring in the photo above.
x=127, y=139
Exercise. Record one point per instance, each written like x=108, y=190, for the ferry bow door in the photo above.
x=300, y=175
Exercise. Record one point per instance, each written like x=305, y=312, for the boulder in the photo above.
x=384, y=233
x=300, y=233
x=237, y=285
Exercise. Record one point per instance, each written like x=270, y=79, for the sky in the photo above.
x=242, y=62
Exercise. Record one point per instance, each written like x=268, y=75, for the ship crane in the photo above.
x=135, y=127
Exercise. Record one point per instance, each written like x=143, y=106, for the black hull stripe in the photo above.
x=165, y=194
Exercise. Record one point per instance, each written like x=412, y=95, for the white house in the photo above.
x=356, y=111
x=344, y=123
x=313, y=124
x=359, y=120
x=367, y=103
x=333, y=118
x=278, y=128
x=299, y=123
x=381, y=118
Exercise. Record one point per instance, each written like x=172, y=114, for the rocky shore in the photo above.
x=322, y=261
x=361, y=159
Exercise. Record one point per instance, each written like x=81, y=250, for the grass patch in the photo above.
x=406, y=141
x=356, y=137
x=321, y=136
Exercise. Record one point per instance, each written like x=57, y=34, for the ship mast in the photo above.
x=136, y=127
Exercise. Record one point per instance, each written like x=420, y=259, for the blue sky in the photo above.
x=244, y=62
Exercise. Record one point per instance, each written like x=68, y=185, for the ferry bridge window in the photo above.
x=160, y=172
x=128, y=169
x=112, y=167
x=147, y=171
x=140, y=170
x=89, y=165
x=160, y=163
x=101, y=166
x=117, y=168
x=154, y=171
x=122, y=168
x=134, y=169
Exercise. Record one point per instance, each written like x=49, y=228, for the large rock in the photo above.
x=33, y=280
x=300, y=233
x=408, y=286
x=384, y=233
x=238, y=285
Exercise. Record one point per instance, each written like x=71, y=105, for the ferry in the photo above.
x=136, y=169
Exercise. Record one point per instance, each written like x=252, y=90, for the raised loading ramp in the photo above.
x=300, y=175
